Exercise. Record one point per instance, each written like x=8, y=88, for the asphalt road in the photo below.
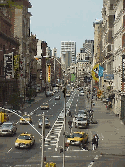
x=74, y=156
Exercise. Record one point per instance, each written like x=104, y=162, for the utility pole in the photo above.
x=43, y=135
x=91, y=92
x=54, y=71
x=64, y=125
x=43, y=138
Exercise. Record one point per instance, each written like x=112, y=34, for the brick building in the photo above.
x=8, y=45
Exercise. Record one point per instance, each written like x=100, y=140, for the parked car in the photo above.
x=26, y=119
x=8, y=128
x=48, y=94
x=77, y=138
x=44, y=106
x=51, y=93
x=24, y=140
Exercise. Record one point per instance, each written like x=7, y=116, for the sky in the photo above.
x=54, y=21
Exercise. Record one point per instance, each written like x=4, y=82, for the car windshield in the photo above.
x=24, y=137
x=7, y=125
x=81, y=112
x=45, y=103
x=46, y=121
x=25, y=117
x=82, y=119
x=77, y=135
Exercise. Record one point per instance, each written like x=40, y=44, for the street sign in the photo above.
x=108, y=76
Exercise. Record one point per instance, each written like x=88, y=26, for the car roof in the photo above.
x=79, y=132
x=25, y=134
x=8, y=122
x=82, y=110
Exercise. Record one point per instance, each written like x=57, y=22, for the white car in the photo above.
x=68, y=94
x=81, y=93
x=81, y=122
x=57, y=97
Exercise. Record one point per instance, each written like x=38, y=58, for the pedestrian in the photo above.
x=97, y=138
x=94, y=143
x=96, y=97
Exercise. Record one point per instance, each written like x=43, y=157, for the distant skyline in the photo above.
x=71, y=20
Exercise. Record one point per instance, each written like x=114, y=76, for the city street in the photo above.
x=109, y=128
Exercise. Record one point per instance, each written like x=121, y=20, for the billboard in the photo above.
x=16, y=64
x=73, y=77
x=49, y=73
x=8, y=65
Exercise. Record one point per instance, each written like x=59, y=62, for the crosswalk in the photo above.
x=52, y=138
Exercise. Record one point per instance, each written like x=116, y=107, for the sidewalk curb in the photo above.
x=112, y=154
x=31, y=104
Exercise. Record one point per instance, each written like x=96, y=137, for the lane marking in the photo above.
x=9, y=150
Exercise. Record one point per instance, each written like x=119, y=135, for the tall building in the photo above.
x=89, y=47
x=54, y=52
x=68, y=46
x=97, y=41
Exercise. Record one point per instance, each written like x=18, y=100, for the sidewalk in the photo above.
x=110, y=129
x=37, y=99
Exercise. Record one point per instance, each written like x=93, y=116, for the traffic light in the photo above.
x=3, y=117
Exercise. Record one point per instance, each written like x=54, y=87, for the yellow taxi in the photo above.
x=51, y=164
x=77, y=138
x=24, y=140
x=26, y=119
x=44, y=106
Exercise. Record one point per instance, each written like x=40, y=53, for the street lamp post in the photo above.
x=43, y=134
x=4, y=76
x=43, y=138
x=64, y=124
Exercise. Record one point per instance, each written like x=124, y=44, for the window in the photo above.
x=86, y=58
x=111, y=6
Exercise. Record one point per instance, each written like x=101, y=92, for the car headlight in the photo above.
x=16, y=144
x=20, y=120
x=68, y=141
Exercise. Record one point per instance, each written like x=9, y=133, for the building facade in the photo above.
x=9, y=49
x=66, y=48
x=83, y=64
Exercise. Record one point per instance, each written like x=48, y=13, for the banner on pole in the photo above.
x=49, y=73
x=97, y=72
